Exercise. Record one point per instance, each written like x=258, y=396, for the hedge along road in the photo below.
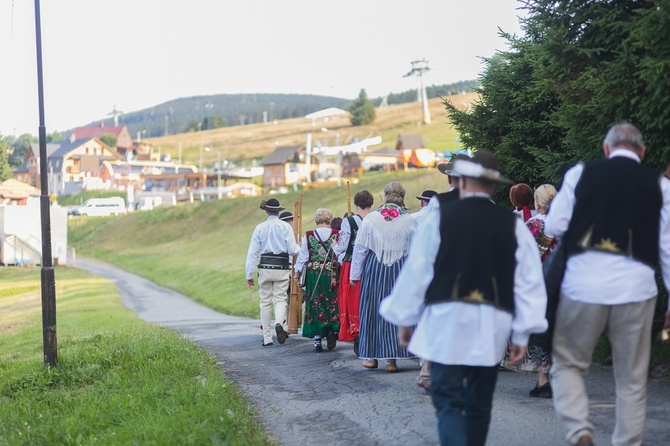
x=328, y=398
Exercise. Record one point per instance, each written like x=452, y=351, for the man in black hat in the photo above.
x=423, y=380
x=424, y=200
x=287, y=217
x=471, y=278
x=274, y=242
x=448, y=169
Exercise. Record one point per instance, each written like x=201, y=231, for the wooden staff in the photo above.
x=348, y=198
x=295, y=299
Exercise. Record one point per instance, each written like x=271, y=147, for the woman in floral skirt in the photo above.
x=316, y=255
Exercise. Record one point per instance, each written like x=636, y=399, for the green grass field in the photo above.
x=119, y=380
x=199, y=249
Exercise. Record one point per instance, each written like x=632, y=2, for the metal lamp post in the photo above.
x=47, y=274
x=218, y=170
x=338, y=145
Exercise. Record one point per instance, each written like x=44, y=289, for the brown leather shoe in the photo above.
x=370, y=364
x=281, y=333
x=392, y=367
x=585, y=440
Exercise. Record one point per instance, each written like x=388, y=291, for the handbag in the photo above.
x=553, y=270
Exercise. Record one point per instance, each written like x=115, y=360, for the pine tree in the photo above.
x=5, y=169
x=362, y=111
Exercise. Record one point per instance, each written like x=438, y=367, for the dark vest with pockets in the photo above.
x=476, y=259
x=352, y=238
x=617, y=210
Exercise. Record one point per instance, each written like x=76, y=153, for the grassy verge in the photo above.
x=199, y=249
x=119, y=380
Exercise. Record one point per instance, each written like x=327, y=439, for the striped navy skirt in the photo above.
x=378, y=338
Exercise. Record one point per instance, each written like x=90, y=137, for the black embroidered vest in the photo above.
x=617, y=210
x=354, y=231
x=476, y=259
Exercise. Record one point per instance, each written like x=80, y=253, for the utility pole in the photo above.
x=209, y=106
x=418, y=68
x=48, y=277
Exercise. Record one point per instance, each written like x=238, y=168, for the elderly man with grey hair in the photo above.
x=613, y=217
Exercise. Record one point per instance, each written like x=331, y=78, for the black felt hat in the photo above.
x=448, y=167
x=271, y=205
x=483, y=166
x=426, y=195
x=286, y=216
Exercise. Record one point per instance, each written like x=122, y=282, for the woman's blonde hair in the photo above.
x=394, y=192
x=323, y=216
x=544, y=194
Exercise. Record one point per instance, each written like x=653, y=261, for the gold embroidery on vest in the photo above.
x=474, y=296
x=607, y=245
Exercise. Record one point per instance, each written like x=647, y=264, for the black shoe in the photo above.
x=331, y=339
x=281, y=333
x=356, y=345
x=318, y=348
x=541, y=391
x=266, y=345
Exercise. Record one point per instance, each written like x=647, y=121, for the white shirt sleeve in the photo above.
x=253, y=253
x=560, y=211
x=530, y=294
x=405, y=304
x=292, y=248
x=664, y=236
x=340, y=249
x=360, y=252
x=303, y=255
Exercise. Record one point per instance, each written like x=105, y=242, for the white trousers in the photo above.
x=578, y=328
x=273, y=288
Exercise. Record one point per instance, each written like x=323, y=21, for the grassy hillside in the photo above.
x=200, y=249
x=258, y=140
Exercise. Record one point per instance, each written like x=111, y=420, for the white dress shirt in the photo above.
x=456, y=333
x=340, y=249
x=601, y=278
x=273, y=236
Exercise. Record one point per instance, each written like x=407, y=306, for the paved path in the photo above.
x=305, y=398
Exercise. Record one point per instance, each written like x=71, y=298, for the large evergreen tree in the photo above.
x=581, y=66
x=362, y=111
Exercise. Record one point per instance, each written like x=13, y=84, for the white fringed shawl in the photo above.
x=388, y=239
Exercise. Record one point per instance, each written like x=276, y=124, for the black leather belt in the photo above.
x=274, y=261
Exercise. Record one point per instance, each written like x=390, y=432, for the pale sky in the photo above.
x=134, y=54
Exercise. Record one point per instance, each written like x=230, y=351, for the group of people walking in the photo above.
x=460, y=284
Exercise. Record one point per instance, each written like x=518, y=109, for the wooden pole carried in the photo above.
x=348, y=198
x=295, y=299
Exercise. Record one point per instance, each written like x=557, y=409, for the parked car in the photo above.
x=100, y=207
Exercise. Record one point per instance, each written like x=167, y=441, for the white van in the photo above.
x=101, y=207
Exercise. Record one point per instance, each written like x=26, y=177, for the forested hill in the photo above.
x=212, y=111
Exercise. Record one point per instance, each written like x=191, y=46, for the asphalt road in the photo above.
x=328, y=398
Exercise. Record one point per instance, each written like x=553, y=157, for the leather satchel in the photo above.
x=553, y=270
